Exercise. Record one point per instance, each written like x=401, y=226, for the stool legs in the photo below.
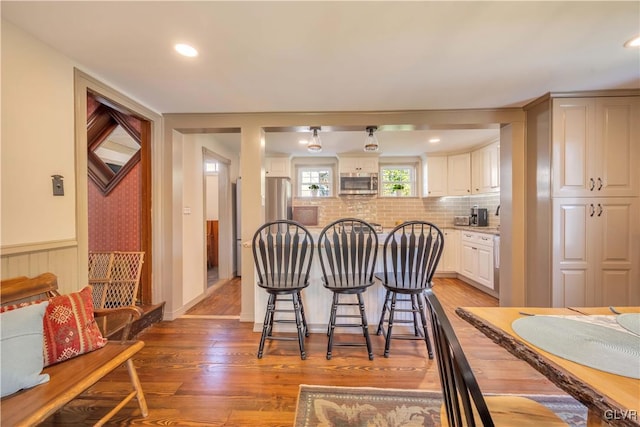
x=267, y=325
x=301, y=323
x=363, y=323
x=418, y=313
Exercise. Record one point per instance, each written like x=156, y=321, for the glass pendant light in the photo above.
x=371, y=142
x=315, y=145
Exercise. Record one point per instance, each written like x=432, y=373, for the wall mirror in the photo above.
x=113, y=146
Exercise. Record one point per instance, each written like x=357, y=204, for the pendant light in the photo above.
x=371, y=142
x=315, y=145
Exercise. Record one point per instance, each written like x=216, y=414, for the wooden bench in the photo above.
x=72, y=377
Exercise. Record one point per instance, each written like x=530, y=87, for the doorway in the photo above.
x=118, y=167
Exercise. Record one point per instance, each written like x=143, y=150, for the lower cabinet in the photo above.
x=476, y=257
x=450, y=259
x=596, y=251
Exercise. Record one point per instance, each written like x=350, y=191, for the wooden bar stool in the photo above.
x=282, y=252
x=348, y=249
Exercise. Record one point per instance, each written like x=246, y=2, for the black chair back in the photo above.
x=459, y=386
x=283, y=251
x=348, y=249
x=412, y=251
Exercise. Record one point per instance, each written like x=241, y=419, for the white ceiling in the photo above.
x=342, y=56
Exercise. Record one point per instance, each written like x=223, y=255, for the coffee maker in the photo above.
x=479, y=217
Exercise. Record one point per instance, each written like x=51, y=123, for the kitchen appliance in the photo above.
x=479, y=217
x=460, y=220
x=277, y=199
x=238, y=254
x=358, y=183
x=496, y=263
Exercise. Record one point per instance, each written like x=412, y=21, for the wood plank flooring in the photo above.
x=204, y=372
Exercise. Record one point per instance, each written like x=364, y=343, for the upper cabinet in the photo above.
x=358, y=164
x=459, y=175
x=436, y=184
x=595, y=146
x=277, y=167
x=485, y=169
x=464, y=174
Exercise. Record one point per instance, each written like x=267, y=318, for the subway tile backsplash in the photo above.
x=390, y=210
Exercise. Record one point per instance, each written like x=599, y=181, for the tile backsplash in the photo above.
x=389, y=210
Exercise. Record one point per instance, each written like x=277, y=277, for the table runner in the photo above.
x=593, y=345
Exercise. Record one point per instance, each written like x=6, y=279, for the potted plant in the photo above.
x=398, y=188
x=314, y=189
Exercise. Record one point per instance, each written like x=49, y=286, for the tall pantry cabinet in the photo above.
x=583, y=192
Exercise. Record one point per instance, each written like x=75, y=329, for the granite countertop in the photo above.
x=486, y=230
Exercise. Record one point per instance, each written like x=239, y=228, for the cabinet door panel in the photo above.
x=571, y=288
x=616, y=162
x=468, y=261
x=572, y=140
x=436, y=176
x=459, y=175
x=572, y=284
x=616, y=245
x=485, y=266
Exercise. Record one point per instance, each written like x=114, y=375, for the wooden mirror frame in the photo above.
x=100, y=125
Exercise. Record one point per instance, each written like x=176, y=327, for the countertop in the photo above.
x=486, y=230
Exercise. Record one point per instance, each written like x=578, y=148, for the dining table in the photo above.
x=598, y=367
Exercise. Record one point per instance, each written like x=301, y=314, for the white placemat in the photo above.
x=630, y=321
x=600, y=347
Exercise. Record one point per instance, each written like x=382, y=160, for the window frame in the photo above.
x=305, y=192
x=412, y=182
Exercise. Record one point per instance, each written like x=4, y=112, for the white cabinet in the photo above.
x=358, y=164
x=459, y=175
x=451, y=253
x=596, y=251
x=595, y=146
x=485, y=169
x=436, y=185
x=476, y=257
x=277, y=166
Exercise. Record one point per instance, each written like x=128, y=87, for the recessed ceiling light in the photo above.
x=303, y=142
x=634, y=42
x=186, y=50
x=434, y=140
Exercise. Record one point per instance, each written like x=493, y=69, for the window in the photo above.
x=320, y=176
x=398, y=180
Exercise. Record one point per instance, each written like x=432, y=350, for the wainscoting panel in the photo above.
x=59, y=258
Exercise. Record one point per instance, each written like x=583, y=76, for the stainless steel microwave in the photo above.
x=359, y=183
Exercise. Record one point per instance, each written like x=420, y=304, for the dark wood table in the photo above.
x=611, y=399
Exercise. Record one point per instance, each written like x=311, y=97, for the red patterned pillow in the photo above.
x=70, y=328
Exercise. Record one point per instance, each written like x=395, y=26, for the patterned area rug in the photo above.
x=323, y=406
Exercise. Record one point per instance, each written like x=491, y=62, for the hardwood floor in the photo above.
x=204, y=372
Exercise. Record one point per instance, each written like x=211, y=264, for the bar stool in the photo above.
x=348, y=249
x=411, y=253
x=282, y=253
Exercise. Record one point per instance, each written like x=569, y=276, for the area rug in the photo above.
x=324, y=406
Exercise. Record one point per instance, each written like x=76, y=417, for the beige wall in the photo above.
x=37, y=141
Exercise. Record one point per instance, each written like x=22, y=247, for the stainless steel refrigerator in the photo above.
x=277, y=200
x=238, y=227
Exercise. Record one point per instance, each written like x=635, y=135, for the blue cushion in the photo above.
x=21, y=339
